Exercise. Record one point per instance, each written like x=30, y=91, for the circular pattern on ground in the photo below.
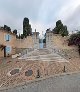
x=15, y=71
x=28, y=73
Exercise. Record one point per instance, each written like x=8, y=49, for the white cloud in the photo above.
x=39, y=27
x=69, y=9
x=43, y=14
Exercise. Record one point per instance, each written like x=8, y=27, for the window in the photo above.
x=8, y=49
x=7, y=37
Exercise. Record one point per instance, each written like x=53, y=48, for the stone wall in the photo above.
x=56, y=40
x=58, y=83
x=29, y=42
x=35, y=38
x=3, y=41
x=24, y=43
x=49, y=39
x=23, y=51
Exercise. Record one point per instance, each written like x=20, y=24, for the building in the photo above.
x=9, y=44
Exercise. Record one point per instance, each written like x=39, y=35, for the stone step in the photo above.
x=48, y=60
x=43, y=55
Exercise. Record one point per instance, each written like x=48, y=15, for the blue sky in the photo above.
x=42, y=14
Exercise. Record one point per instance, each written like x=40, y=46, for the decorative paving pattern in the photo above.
x=28, y=73
x=37, y=65
x=15, y=71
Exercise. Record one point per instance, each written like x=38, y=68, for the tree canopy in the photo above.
x=74, y=39
x=7, y=28
x=15, y=31
x=27, y=30
x=60, y=29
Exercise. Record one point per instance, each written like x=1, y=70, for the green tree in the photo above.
x=22, y=36
x=74, y=39
x=60, y=29
x=48, y=29
x=64, y=31
x=44, y=40
x=27, y=30
x=59, y=26
x=15, y=31
x=19, y=36
x=7, y=28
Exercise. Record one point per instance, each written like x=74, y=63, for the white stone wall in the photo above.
x=36, y=41
x=49, y=39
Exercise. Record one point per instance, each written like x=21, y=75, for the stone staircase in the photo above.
x=43, y=55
